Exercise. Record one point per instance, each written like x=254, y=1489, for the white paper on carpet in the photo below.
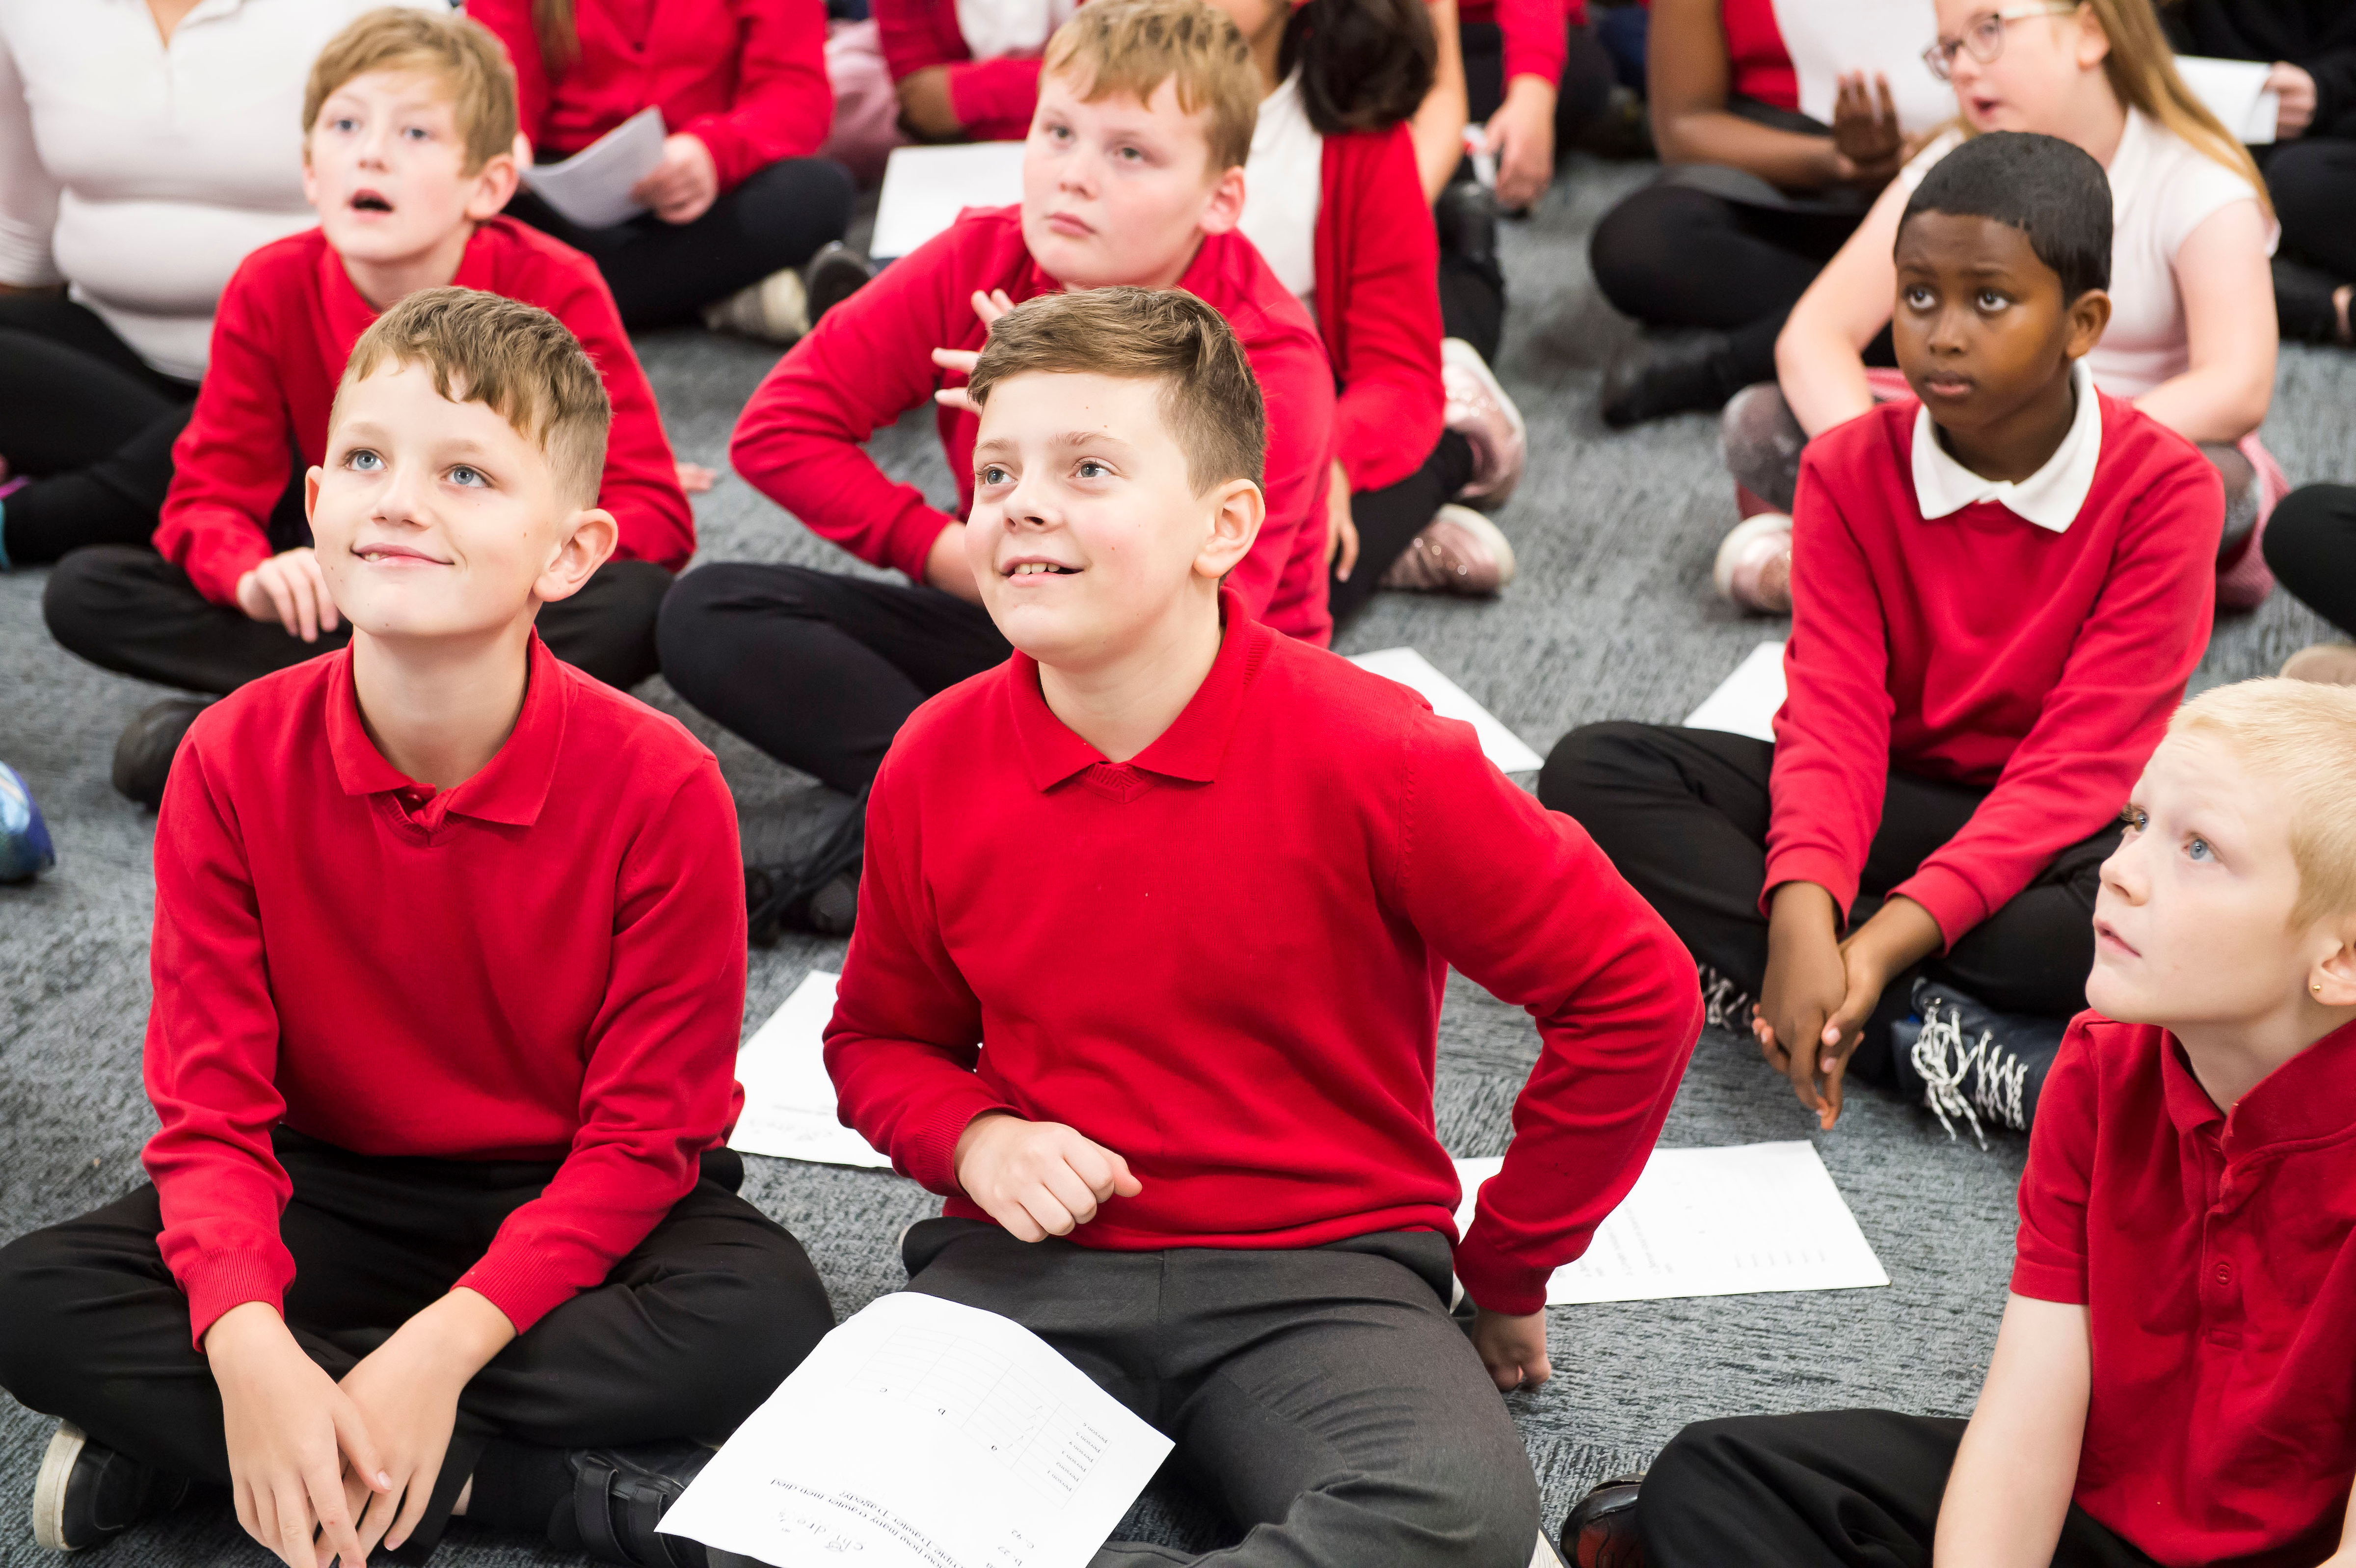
x=1411, y=669
x=1746, y=702
x=593, y=187
x=926, y=187
x=789, y=1103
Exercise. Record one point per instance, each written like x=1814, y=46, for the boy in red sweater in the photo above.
x=2174, y=1381
x=1197, y=1154
x=1999, y=593
x=408, y=160
x=1132, y=176
x=449, y=975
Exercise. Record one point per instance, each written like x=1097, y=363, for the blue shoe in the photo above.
x=1970, y=1062
x=25, y=849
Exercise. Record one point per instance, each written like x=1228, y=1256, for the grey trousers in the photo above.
x=1324, y=1397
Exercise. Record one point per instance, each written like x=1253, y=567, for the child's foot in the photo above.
x=1652, y=379
x=1479, y=410
x=833, y=275
x=1459, y=551
x=1601, y=1530
x=144, y=754
x=87, y=1493
x=1972, y=1062
x=620, y=1494
x=775, y=309
x=25, y=849
x=1753, y=568
x=1724, y=1004
x=2325, y=664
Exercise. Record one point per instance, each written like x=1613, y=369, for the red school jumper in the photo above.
x=1228, y=966
x=546, y=962
x=747, y=77
x=1536, y=33
x=800, y=439
x=2215, y=1254
x=285, y=329
x=992, y=98
x=1377, y=261
x=1982, y=649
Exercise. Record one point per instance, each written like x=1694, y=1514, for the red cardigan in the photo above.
x=1534, y=31
x=747, y=77
x=1378, y=257
x=992, y=98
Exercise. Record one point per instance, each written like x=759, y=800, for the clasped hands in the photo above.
x=1820, y=989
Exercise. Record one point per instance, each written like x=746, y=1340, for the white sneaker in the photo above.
x=775, y=309
x=1479, y=410
x=1753, y=568
x=1459, y=551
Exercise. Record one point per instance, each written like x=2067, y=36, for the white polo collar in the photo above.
x=2051, y=497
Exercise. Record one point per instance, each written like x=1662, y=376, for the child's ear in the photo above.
x=494, y=183
x=1224, y=207
x=586, y=541
x=2333, y=982
x=2089, y=313
x=1234, y=525
x=311, y=477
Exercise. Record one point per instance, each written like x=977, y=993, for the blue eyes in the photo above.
x=364, y=461
x=462, y=474
x=1092, y=469
x=2135, y=819
x=993, y=474
x=2198, y=850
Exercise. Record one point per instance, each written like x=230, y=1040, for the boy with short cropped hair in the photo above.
x=2000, y=592
x=449, y=980
x=1198, y=885
x=2174, y=1381
x=1133, y=175
x=409, y=129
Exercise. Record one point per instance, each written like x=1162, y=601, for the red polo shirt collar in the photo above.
x=2312, y=1095
x=512, y=785
x=1191, y=749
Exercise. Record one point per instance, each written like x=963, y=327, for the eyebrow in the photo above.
x=1066, y=439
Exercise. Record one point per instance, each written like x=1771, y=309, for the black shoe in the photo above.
x=1966, y=1059
x=818, y=893
x=833, y=275
x=143, y=756
x=88, y=1493
x=1652, y=379
x=1601, y=1530
x=620, y=1494
x=1466, y=213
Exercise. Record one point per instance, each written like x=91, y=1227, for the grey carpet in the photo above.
x=1611, y=618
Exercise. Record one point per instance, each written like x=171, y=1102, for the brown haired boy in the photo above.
x=1132, y=176
x=449, y=981
x=409, y=124
x=1198, y=1155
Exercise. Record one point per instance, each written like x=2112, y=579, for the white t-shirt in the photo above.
x=2162, y=188
x=143, y=174
x=993, y=29
x=1284, y=182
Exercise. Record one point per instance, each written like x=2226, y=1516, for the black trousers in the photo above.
x=663, y=273
x=127, y=608
x=691, y=1332
x=1683, y=814
x=2310, y=544
x=89, y=422
x=1389, y=520
x=1324, y=1396
x=2313, y=182
x=1836, y=1489
x=1580, y=97
x=818, y=669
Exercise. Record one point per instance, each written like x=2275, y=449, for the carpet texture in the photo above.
x=1612, y=618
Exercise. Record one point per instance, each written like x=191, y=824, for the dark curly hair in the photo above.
x=1365, y=65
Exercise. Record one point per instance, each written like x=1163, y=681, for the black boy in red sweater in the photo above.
x=1198, y=1153
x=1999, y=593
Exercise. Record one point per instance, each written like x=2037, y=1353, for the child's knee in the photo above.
x=1761, y=440
x=1588, y=761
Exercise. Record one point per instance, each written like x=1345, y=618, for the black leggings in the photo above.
x=1580, y=97
x=89, y=422
x=1684, y=813
x=1389, y=520
x=2310, y=544
x=663, y=273
x=2313, y=183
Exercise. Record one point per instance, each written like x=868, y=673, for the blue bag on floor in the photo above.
x=25, y=851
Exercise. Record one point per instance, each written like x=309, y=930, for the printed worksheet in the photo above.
x=926, y=187
x=1747, y=702
x=1713, y=1222
x=1411, y=669
x=593, y=187
x=924, y=1434
x=1828, y=38
x=789, y=1103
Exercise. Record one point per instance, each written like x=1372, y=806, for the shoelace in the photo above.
x=1947, y=1063
x=1726, y=1004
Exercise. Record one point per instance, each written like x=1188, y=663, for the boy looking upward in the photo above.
x=410, y=123
x=1999, y=593
x=449, y=978
x=1132, y=175
x=1198, y=1154
x=2174, y=1381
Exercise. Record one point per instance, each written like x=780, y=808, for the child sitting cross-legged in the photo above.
x=410, y=123
x=1998, y=592
x=1197, y=884
x=2174, y=1381
x=449, y=978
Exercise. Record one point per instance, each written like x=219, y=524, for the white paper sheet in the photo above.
x=2235, y=92
x=924, y=1434
x=1411, y=669
x=1713, y=1222
x=1826, y=38
x=926, y=187
x=592, y=188
x=789, y=1103
x=1745, y=702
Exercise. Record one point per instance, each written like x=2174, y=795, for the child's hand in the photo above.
x=291, y=589
x=407, y=1391
x=1866, y=131
x=291, y=1434
x=947, y=568
x=1520, y=136
x=960, y=361
x=1341, y=528
x=1037, y=1178
x=1513, y=1349
x=1807, y=983
x=1901, y=935
x=683, y=187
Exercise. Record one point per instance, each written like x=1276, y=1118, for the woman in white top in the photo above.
x=145, y=148
x=2192, y=340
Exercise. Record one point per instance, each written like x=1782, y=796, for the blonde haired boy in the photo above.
x=410, y=123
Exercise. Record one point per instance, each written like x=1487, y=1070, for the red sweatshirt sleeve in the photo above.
x=510, y=21
x=2096, y=728
x=995, y=99
x=1536, y=37
x=1297, y=383
x=801, y=439
x=230, y=465
x=1387, y=349
x=1521, y=902
x=661, y=1054
x=784, y=103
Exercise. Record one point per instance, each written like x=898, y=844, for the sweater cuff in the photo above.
x=1954, y=903
x=1495, y=1282
x=218, y=555
x=908, y=544
x=525, y=1287
x=219, y=1281
x=929, y=1156
x=1809, y=865
x=732, y=160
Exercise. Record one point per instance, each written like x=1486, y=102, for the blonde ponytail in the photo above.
x=2142, y=70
